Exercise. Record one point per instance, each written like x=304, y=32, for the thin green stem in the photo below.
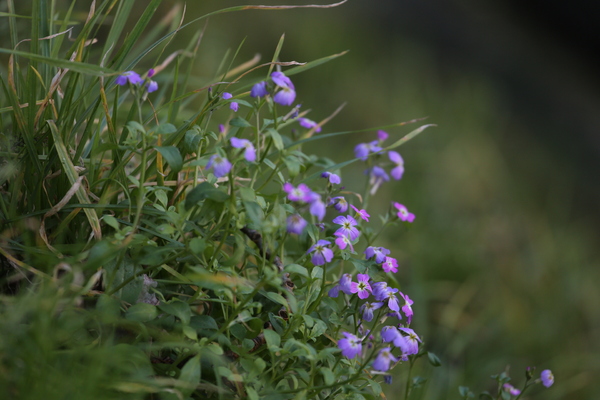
x=407, y=390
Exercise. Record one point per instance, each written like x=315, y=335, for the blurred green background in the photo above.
x=502, y=260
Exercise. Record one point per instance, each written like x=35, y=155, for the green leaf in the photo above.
x=238, y=330
x=240, y=123
x=177, y=308
x=292, y=165
x=76, y=66
x=277, y=141
x=190, y=332
x=296, y=269
x=247, y=194
x=273, y=339
x=215, y=349
x=197, y=245
x=433, y=359
x=203, y=322
x=319, y=329
x=252, y=394
x=141, y=312
x=317, y=273
x=111, y=221
x=191, y=373
x=254, y=214
x=191, y=141
x=108, y=306
x=327, y=375
x=172, y=156
x=165, y=129
x=375, y=386
x=464, y=391
x=238, y=252
x=275, y=297
x=204, y=191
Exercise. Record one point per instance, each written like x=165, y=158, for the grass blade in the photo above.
x=73, y=176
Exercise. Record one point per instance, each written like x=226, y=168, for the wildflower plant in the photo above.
x=178, y=225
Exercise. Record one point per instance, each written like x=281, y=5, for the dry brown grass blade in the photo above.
x=323, y=122
x=54, y=210
x=280, y=63
x=244, y=66
x=169, y=59
x=290, y=7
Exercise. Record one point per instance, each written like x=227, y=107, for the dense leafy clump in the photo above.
x=154, y=248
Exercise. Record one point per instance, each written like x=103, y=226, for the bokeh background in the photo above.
x=503, y=259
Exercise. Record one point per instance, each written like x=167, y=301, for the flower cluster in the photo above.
x=135, y=79
x=284, y=92
x=400, y=336
x=377, y=174
x=379, y=301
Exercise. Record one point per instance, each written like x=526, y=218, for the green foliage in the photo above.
x=128, y=260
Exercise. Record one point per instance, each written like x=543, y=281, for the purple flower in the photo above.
x=286, y=95
x=221, y=128
x=377, y=177
x=321, y=254
x=382, y=135
x=410, y=344
x=367, y=310
x=361, y=213
x=339, y=203
x=511, y=389
x=309, y=124
x=301, y=193
x=547, y=378
x=390, y=295
x=362, y=150
x=384, y=359
x=151, y=72
x=378, y=252
x=129, y=76
x=296, y=224
x=345, y=285
x=399, y=162
x=389, y=334
x=387, y=379
x=390, y=264
x=259, y=90
x=362, y=287
x=403, y=213
x=249, y=152
x=343, y=241
x=281, y=80
x=347, y=227
x=317, y=207
x=152, y=86
x=350, y=345
x=395, y=314
x=333, y=178
x=234, y=104
x=220, y=165
x=380, y=290
x=406, y=308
